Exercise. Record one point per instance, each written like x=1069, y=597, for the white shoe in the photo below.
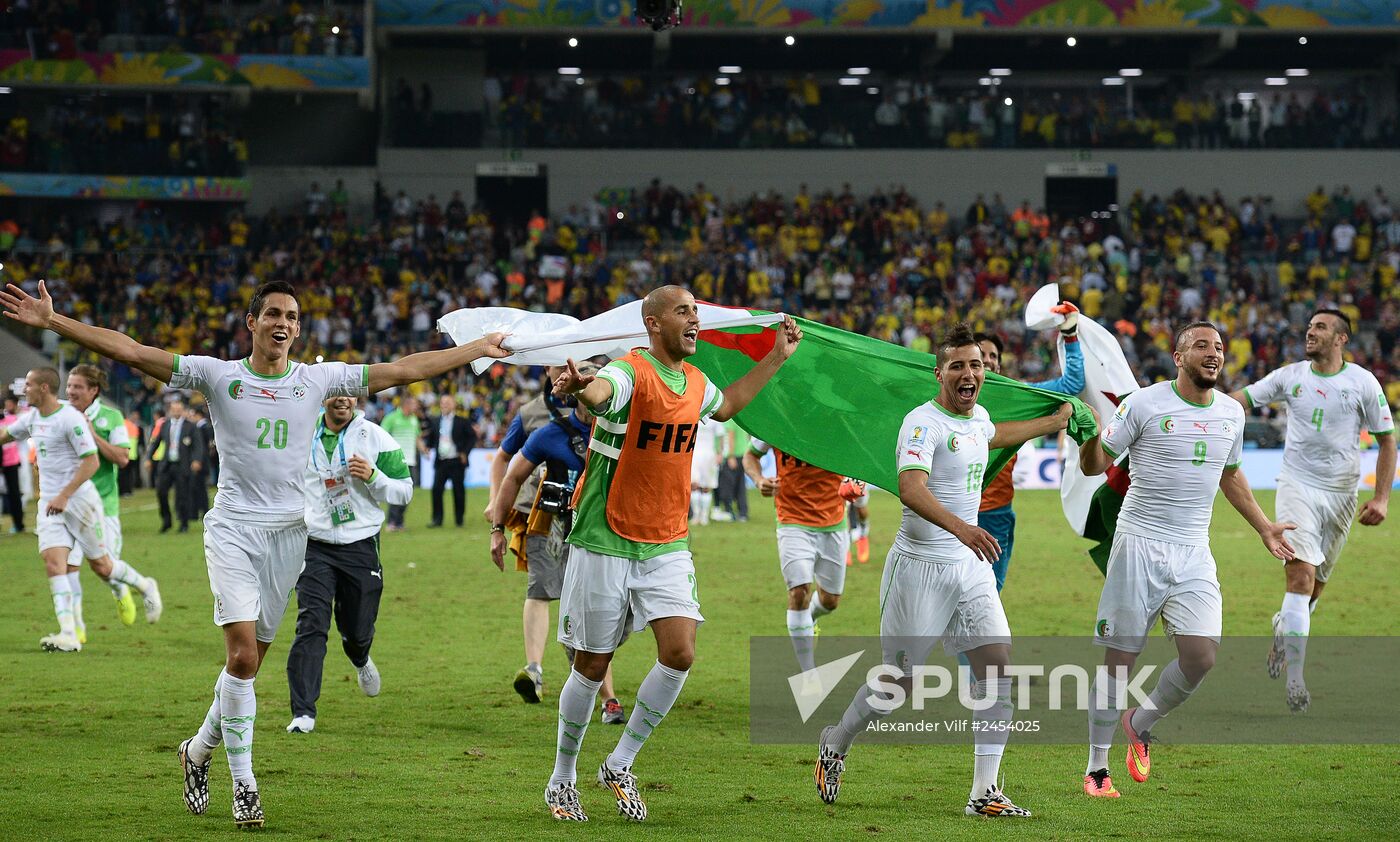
x=60, y=643
x=302, y=725
x=151, y=597
x=1298, y=697
x=368, y=676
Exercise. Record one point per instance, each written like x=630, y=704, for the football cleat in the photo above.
x=81, y=634
x=863, y=549
x=614, y=713
x=154, y=607
x=1298, y=697
x=830, y=767
x=60, y=643
x=1139, y=761
x=994, y=805
x=126, y=606
x=530, y=685
x=302, y=725
x=1099, y=784
x=1277, y=658
x=368, y=677
x=562, y=801
x=247, y=807
x=196, y=780
x=623, y=785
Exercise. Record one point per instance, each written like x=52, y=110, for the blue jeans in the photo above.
x=1001, y=525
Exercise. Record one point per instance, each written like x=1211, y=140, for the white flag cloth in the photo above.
x=553, y=338
x=1107, y=380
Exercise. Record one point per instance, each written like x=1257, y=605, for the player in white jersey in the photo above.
x=938, y=580
x=70, y=510
x=710, y=442
x=264, y=410
x=85, y=386
x=1185, y=439
x=1329, y=402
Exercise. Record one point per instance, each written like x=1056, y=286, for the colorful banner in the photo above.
x=155, y=187
x=160, y=69
x=980, y=14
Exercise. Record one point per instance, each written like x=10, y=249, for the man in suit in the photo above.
x=200, y=486
x=184, y=458
x=451, y=438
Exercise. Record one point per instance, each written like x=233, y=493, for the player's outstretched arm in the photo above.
x=38, y=312
x=1242, y=399
x=914, y=493
x=1374, y=511
x=519, y=470
x=427, y=364
x=743, y=390
x=1016, y=433
x=592, y=391
x=767, y=486
x=1236, y=487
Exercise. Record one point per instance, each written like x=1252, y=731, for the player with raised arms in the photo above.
x=938, y=581
x=1329, y=401
x=1185, y=441
x=70, y=509
x=629, y=560
x=265, y=409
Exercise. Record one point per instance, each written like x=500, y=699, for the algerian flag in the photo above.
x=1090, y=503
x=838, y=403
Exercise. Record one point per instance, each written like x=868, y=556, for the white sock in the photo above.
x=575, y=710
x=75, y=586
x=1172, y=689
x=211, y=730
x=859, y=713
x=62, y=602
x=695, y=506
x=1312, y=605
x=1296, y=620
x=799, y=626
x=657, y=693
x=1103, y=721
x=125, y=574
x=238, y=711
x=817, y=609
x=707, y=503
x=989, y=741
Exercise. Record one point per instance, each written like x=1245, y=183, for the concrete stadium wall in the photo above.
x=284, y=188
x=955, y=177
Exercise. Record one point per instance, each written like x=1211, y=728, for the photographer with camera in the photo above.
x=559, y=446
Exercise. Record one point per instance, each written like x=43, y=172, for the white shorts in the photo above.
x=79, y=527
x=1148, y=578
x=111, y=537
x=1324, y=520
x=253, y=568
x=704, y=473
x=808, y=556
x=923, y=600
x=606, y=598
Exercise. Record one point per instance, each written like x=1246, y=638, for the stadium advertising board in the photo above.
x=187, y=69
x=124, y=187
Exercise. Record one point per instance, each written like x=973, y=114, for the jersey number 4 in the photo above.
x=1317, y=419
x=272, y=434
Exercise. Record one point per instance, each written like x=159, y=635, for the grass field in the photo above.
x=448, y=750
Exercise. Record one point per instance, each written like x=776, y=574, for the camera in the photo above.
x=554, y=497
x=660, y=14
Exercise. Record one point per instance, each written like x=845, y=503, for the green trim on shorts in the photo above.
x=886, y=597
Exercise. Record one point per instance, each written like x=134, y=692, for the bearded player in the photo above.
x=1185, y=441
x=1329, y=401
x=629, y=557
x=265, y=409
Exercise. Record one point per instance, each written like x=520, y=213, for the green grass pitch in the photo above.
x=449, y=751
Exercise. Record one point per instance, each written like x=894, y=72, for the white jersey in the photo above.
x=708, y=441
x=1177, y=452
x=952, y=450
x=1326, y=412
x=62, y=440
x=264, y=426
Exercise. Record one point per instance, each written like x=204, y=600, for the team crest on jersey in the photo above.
x=235, y=389
x=1104, y=630
x=1227, y=427
x=953, y=442
x=1167, y=424
x=298, y=392
x=568, y=625
x=102, y=422
x=1297, y=390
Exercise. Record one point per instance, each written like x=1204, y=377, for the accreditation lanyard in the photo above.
x=335, y=480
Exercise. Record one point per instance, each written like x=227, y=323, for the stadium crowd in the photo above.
x=881, y=264
x=121, y=135
x=60, y=29
x=759, y=112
